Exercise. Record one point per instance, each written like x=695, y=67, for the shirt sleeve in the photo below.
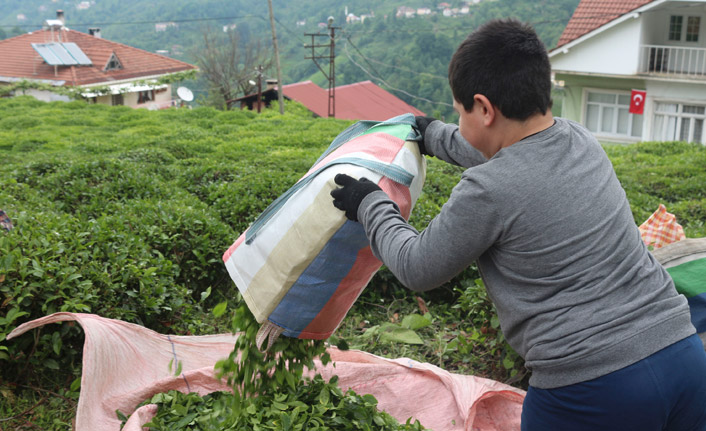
x=445, y=142
x=466, y=227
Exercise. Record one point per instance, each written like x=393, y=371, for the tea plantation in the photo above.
x=125, y=213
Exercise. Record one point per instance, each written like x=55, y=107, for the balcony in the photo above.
x=673, y=61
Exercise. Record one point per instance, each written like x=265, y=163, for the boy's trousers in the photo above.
x=665, y=391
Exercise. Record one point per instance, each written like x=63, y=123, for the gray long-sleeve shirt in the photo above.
x=577, y=292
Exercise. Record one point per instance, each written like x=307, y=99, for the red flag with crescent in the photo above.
x=637, y=101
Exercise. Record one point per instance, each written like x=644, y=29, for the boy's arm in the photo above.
x=445, y=142
x=467, y=226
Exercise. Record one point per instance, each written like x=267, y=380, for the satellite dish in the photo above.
x=185, y=94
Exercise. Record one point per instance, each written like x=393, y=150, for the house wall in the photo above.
x=162, y=98
x=656, y=24
x=679, y=92
x=615, y=51
x=574, y=94
x=45, y=96
x=575, y=86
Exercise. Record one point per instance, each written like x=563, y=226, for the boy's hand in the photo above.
x=349, y=197
x=422, y=123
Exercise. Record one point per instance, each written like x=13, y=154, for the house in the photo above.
x=635, y=70
x=163, y=26
x=110, y=73
x=359, y=101
x=405, y=12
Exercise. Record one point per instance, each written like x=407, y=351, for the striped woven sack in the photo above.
x=685, y=261
x=301, y=265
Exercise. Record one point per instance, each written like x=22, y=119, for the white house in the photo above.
x=609, y=49
x=104, y=71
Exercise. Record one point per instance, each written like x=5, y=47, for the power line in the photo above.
x=371, y=60
x=381, y=80
x=225, y=18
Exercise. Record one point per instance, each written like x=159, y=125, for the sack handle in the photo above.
x=361, y=127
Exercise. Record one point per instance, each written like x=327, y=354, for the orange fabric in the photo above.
x=661, y=228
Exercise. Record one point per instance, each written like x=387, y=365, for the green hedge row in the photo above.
x=126, y=213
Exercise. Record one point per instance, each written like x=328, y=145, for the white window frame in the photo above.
x=680, y=115
x=614, y=135
x=682, y=36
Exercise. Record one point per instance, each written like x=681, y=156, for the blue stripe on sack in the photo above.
x=697, y=306
x=320, y=279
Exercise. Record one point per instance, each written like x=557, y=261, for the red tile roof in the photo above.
x=591, y=14
x=20, y=60
x=359, y=101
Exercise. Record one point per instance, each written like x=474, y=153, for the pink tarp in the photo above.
x=124, y=364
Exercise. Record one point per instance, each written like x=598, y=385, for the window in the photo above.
x=692, y=28
x=608, y=114
x=117, y=99
x=113, y=63
x=679, y=122
x=676, y=27
x=675, y=24
x=145, y=96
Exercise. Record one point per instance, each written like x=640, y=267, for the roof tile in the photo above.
x=591, y=14
x=20, y=60
x=359, y=101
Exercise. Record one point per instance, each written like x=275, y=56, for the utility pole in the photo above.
x=331, y=76
x=280, y=97
x=259, y=87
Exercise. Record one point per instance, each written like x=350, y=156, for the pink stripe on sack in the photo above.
x=326, y=321
x=232, y=248
x=385, y=148
x=399, y=194
x=323, y=325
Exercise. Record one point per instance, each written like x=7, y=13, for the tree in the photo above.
x=228, y=65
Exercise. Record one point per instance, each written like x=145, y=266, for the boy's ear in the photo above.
x=487, y=109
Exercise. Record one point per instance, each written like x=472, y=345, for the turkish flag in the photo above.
x=637, y=101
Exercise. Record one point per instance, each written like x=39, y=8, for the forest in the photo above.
x=406, y=56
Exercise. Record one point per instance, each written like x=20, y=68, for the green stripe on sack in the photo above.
x=690, y=277
x=400, y=131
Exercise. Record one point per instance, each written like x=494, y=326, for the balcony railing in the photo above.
x=673, y=61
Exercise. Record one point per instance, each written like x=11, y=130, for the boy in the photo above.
x=596, y=318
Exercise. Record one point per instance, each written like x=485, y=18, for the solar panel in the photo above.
x=62, y=54
x=77, y=54
x=47, y=54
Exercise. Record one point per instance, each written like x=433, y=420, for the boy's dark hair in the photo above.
x=505, y=61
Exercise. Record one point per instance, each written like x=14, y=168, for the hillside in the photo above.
x=408, y=56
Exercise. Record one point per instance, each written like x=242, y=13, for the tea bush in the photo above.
x=125, y=213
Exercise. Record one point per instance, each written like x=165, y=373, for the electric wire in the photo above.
x=381, y=80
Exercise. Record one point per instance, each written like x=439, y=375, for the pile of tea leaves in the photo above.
x=271, y=392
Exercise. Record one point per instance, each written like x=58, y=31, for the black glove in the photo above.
x=422, y=123
x=349, y=197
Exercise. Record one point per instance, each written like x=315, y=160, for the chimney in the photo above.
x=95, y=32
x=60, y=16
